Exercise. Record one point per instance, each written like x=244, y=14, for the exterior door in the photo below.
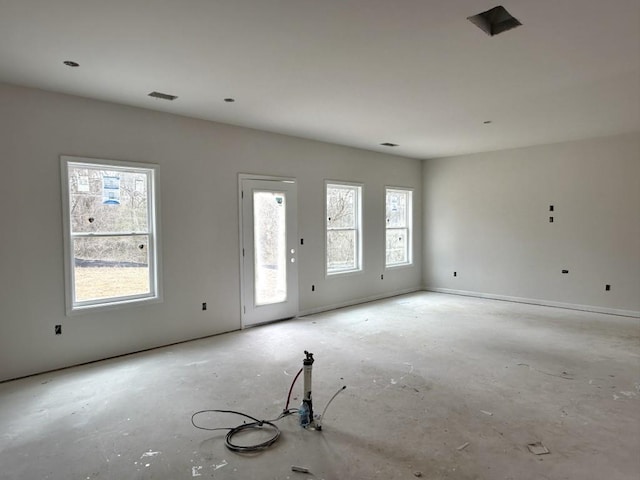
x=268, y=249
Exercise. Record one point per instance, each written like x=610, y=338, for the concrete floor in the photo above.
x=426, y=374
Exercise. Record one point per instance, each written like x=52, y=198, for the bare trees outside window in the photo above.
x=110, y=227
x=398, y=226
x=270, y=247
x=344, y=238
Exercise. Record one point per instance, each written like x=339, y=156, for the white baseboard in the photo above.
x=533, y=301
x=358, y=301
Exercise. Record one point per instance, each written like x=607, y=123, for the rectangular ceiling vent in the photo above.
x=163, y=96
x=495, y=21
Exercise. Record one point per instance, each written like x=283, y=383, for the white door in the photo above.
x=269, y=272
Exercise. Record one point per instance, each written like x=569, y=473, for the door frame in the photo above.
x=268, y=178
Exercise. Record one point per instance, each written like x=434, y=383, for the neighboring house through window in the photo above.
x=111, y=232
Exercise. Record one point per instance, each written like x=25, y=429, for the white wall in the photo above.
x=199, y=164
x=486, y=217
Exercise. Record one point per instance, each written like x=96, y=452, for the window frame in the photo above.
x=409, y=226
x=359, y=189
x=152, y=171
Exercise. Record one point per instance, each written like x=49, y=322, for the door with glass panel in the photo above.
x=268, y=249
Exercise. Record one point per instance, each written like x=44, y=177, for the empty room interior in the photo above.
x=340, y=239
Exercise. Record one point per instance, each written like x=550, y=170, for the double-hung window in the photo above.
x=344, y=231
x=398, y=226
x=111, y=232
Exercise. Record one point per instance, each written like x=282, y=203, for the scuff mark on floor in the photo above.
x=220, y=465
x=150, y=454
x=201, y=362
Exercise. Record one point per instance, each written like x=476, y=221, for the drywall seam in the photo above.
x=534, y=301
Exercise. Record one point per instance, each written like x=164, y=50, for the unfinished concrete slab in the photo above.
x=438, y=386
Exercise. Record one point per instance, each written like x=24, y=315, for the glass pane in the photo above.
x=341, y=250
x=397, y=246
x=270, y=247
x=397, y=208
x=108, y=201
x=341, y=207
x=110, y=267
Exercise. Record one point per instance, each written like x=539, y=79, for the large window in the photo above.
x=398, y=223
x=111, y=232
x=344, y=234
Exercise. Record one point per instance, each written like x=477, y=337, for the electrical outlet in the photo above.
x=607, y=287
x=550, y=219
x=455, y=274
x=565, y=271
x=58, y=329
x=313, y=288
x=381, y=277
x=204, y=305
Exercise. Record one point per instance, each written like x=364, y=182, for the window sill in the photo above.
x=115, y=305
x=396, y=266
x=344, y=273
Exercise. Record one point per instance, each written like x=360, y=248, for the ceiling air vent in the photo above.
x=163, y=96
x=495, y=21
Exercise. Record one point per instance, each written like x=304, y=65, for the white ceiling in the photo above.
x=351, y=72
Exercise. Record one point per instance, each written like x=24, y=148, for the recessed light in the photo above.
x=389, y=144
x=229, y=100
x=163, y=96
x=70, y=63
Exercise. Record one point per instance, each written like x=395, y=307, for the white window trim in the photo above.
x=359, y=227
x=155, y=250
x=409, y=261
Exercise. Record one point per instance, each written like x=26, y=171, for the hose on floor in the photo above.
x=254, y=424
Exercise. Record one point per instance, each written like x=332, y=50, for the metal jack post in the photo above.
x=306, y=409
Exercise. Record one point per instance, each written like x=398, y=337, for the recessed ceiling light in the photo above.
x=388, y=144
x=229, y=100
x=70, y=63
x=495, y=21
x=163, y=96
